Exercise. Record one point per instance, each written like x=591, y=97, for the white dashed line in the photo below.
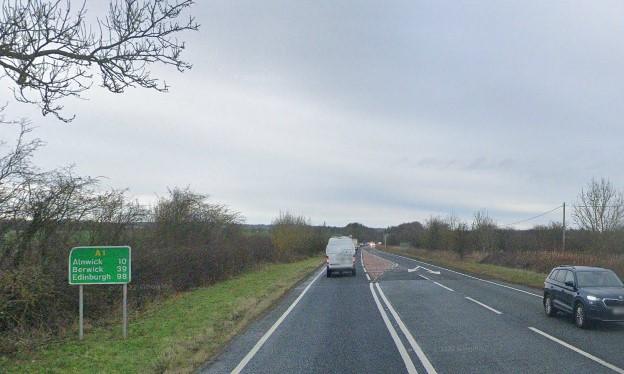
x=443, y=286
x=439, y=284
x=483, y=305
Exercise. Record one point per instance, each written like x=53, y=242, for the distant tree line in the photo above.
x=598, y=216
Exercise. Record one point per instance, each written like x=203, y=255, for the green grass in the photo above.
x=471, y=266
x=175, y=335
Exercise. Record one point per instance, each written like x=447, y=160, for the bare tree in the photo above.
x=436, y=227
x=482, y=220
x=49, y=51
x=113, y=216
x=461, y=239
x=56, y=199
x=452, y=221
x=16, y=168
x=185, y=217
x=600, y=207
x=484, y=228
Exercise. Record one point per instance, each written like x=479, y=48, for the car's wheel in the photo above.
x=580, y=317
x=549, y=309
x=328, y=273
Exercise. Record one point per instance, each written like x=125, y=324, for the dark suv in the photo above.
x=588, y=293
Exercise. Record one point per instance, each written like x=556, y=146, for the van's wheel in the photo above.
x=353, y=272
x=328, y=273
x=549, y=309
x=580, y=318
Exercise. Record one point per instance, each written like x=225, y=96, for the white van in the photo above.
x=340, y=255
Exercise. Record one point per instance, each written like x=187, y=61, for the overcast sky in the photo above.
x=368, y=111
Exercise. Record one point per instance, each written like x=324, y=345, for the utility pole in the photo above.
x=564, y=228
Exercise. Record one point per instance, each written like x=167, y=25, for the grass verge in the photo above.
x=178, y=334
x=472, y=266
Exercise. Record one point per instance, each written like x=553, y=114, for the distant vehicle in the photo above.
x=340, y=255
x=588, y=293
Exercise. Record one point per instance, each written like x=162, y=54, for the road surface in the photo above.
x=402, y=315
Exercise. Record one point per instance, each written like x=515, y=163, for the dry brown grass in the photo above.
x=544, y=261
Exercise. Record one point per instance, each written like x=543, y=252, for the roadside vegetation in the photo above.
x=175, y=334
x=484, y=247
x=182, y=242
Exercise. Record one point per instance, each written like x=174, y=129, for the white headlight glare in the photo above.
x=592, y=298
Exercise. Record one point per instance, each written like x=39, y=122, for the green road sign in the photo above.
x=99, y=265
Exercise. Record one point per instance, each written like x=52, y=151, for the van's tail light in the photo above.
x=354, y=259
x=327, y=259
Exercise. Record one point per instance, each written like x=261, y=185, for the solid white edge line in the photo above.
x=423, y=276
x=409, y=365
x=241, y=365
x=362, y=261
x=419, y=352
x=577, y=350
x=443, y=286
x=469, y=276
x=367, y=278
x=483, y=305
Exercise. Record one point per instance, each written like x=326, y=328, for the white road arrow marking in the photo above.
x=429, y=270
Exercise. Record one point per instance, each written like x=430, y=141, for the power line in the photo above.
x=534, y=217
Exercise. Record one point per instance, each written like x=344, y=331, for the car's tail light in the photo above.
x=354, y=259
x=327, y=259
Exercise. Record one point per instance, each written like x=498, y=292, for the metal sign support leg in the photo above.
x=125, y=311
x=80, y=312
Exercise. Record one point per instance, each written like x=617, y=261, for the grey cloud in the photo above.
x=368, y=111
x=478, y=163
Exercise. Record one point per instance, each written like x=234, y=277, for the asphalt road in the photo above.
x=426, y=320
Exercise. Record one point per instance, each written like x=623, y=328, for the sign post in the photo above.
x=125, y=311
x=100, y=265
x=81, y=311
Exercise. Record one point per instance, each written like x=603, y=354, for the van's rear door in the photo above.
x=341, y=257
